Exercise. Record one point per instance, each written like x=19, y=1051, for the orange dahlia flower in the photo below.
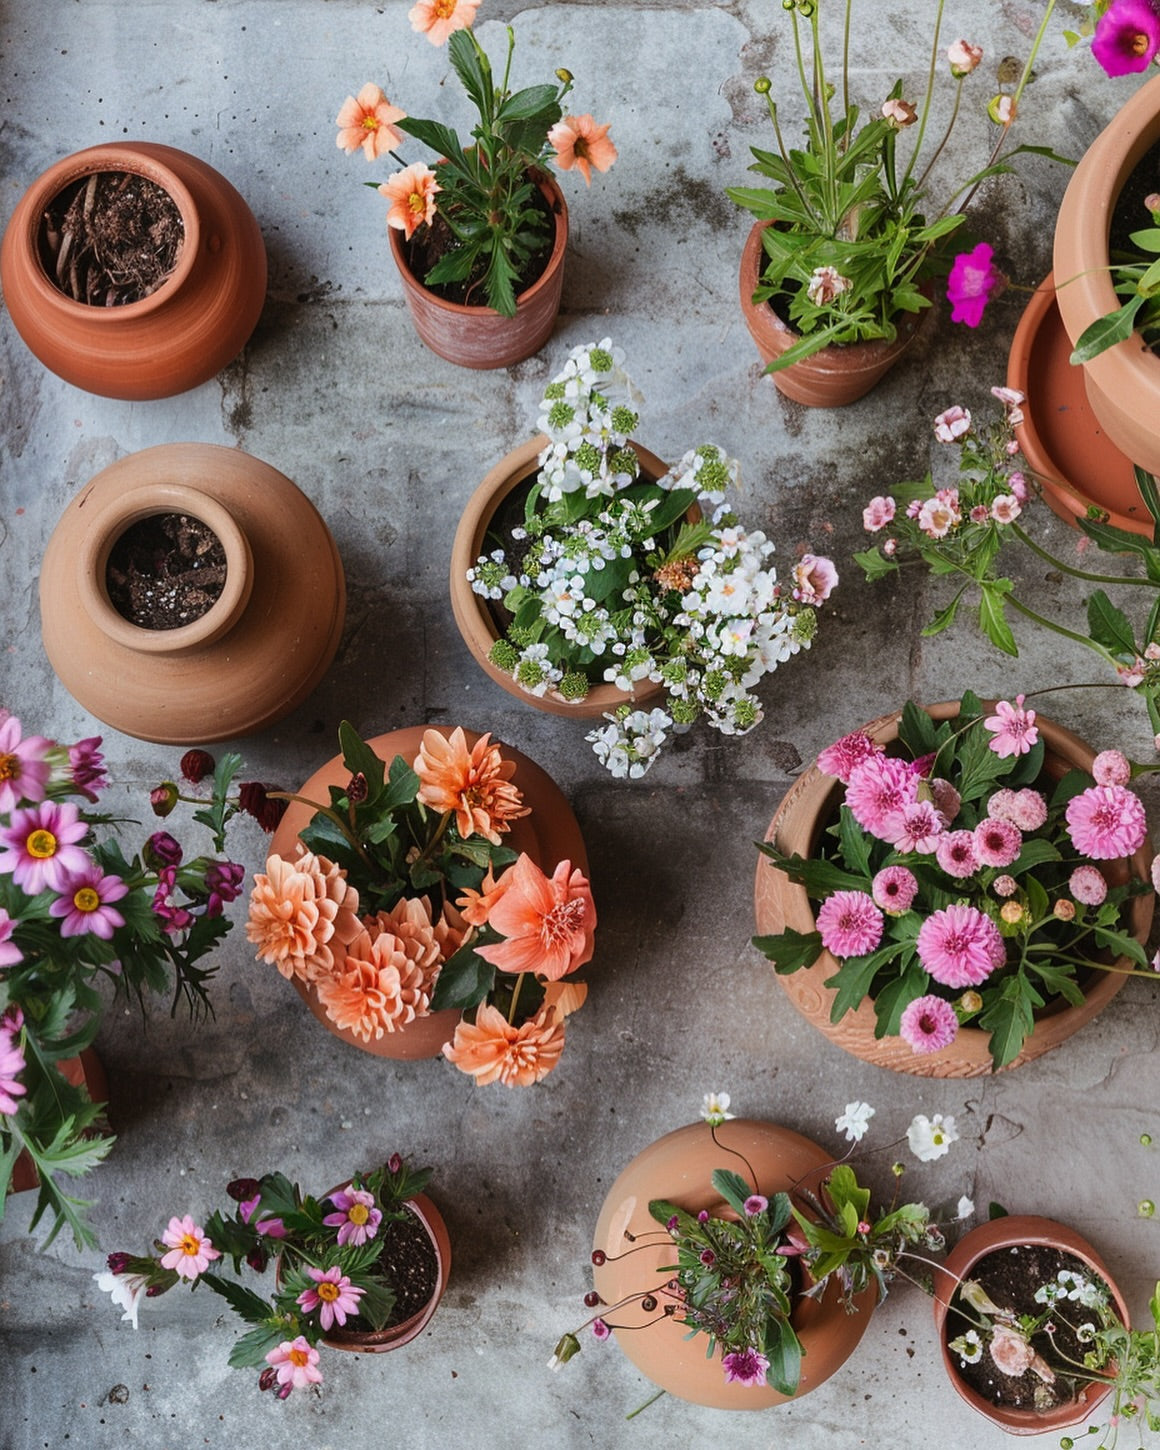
x=548, y=922
x=409, y=920
x=492, y=1050
x=578, y=141
x=476, y=784
x=379, y=987
x=366, y=123
x=300, y=910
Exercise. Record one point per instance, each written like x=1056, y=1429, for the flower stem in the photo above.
x=1024, y=537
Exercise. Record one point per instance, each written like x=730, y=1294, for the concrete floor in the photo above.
x=335, y=390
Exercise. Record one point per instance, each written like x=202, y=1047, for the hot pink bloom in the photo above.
x=745, y=1367
x=1106, y=822
x=840, y=758
x=24, y=767
x=963, y=57
x=920, y=829
x=894, y=889
x=1127, y=37
x=190, y=1252
x=10, y=953
x=997, y=843
x=88, y=766
x=877, y=514
x=928, y=1024
x=600, y=1330
x=578, y=141
x=366, y=123
x=548, y=922
x=334, y=1297
x=1018, y=485
x=1005, y=508
x=173, y=918
x=814, y=579
x=83, y=905
x=850, y=924
x=952, y=423
x=39, y=846
x=1111, y=767
x=1015, y=731
x=296, y=1362
x=878, y=791
x=357, y=1219
x=825, y=284
x=12, y=1064
x=1088, y=886
x=972, y=282
x=955, y=853
x=411, y=193
x=437, y=19
x=959, y=946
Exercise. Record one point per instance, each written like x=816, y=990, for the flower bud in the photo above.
x=258, y=1258
x=240, y=1189
x=1011, y=912
x=118, y=1263
x=899, y=113
x=268, y=1378
x=161, y=850
x=763, y=85
x=568, y=1346
x=163, y=798
x=253, y=798
x=963, y=57
x=196, y=765
x=1002, y=110
x=395, y=1163
x=565, y=77
x=970, y=1002
x=1064, y=910
x=357, y=790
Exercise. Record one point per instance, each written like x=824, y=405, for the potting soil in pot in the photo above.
x=165, y=571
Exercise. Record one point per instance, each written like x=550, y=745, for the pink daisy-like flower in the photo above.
x=997, y=843
x=88, y=766
x=1111, y=767
x=745, y=1367
x=1088, y=886
x=814, y=579
x=840, y=758
x=1018, y=484
x=920, y=829
x=1014, y=729
x=38, y=848
x=973, y=281
x=894, y=889
x=1026, y=809
x=1127, y=36
x=190, y=1252
x=1106, y=822
x=24, y=767
x=334, y=1296
x=12, y=1064
x=296, y=1363
x=959, y=946
x=850, y=924
x=877, y=514
x=928, y=1024
x=83, y=905
x=357, y=1219
x=10, y=953
x=952, y=423
x=955, y=853
x=877, y=793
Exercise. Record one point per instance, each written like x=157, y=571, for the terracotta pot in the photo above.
x=85, y=1070
x=254, y=655
x=797, y=826
x=197, y=321
x=834, y=376
x=475, y=620
x=999, y=1235
x=1123, y=383
x=549, y=835
x=480, y=337
x=678, y=1167
x=1075, y=463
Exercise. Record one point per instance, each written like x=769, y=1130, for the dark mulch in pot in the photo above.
x=111, y=238
x=1131, y=215
x=409, y=1263
x=431, y=243
x=165, y=571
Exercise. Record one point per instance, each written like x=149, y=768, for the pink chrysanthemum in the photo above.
x=12, y=1064
x=190, y=1252
x=1111, y=767
x=357, y=1219
x=928, y=1024
x=955, y=853
x=841, y=758
x=745, y=1367
x=1106, y=822
x=919, y=829
x=850, y=924
x=1088, y=886
x=1025, y=809
x=24, y=767
x=894, y=889
x=959, y=946
x=877, y=793
x=997, y=843
x=39, y=846
x=333, y=1295
x=1015, y=731
x=83, y=905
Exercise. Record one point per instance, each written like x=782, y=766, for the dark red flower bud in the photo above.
x=161, y=850
x=118, y=1263
x=257, y=1259
x=357, y=791
x=253, y=799
x=163, y=798
x=591, y=1299
x=268, y=1378
x=196, y=765
x=284, y=1390
x=242, y=1188
x=153, y=1291
x=394, y=1163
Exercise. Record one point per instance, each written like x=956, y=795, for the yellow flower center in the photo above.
x=328, y=1290
x=41, y=844
x=1139, y=44
x=190, y=1245
x=298, y=1357
x=9, y=767
x=417, y=202
x=86, y=899
x=444, y=9
x=358, y=1213
x=371, y=123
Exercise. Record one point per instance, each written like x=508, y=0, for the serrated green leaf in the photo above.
x=791, y=950
x=1110, y=626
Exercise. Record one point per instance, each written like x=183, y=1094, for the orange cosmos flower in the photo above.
x=366, y=122
x=411, y=193
x=548, y=923
x=438, y=18
x=580, y=142
x=492, y=1050
x=378, y=988
x=475, y=783
x=298, y=911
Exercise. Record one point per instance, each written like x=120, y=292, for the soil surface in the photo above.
x=409, y=1264
x=165, y=571
x=111, y=238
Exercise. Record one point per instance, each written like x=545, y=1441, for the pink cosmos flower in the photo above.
x=24, y=767
x=88, y=766
x=296, y=1363
x=366, y=123
x=38, y=848
x=1005, y=508
x=814, y=579
x=972, y=282
x=83, y=905
x=1111, y=767
x=437, y=19
x=1106, y=822
x=411, y=193
x=745, y=1367
x=997, y=843
x=928, y=1024
x=959, y=946
x=877, y=514
x=920, y=829
x=1127, y=37
x=850, y=924
x=877, y=792
x=10, y=953
x=334, y=1296
x=357, y=1219
x=894, y=889
x=1025, y=808
x=841, y=758
x=190, y=1252
x=12, y=1064
x=825, y=284
x=1088, y=886
x=1015, y=731
x=963, y=57
x=952, y=423
x=955, y=853
x=578, y=141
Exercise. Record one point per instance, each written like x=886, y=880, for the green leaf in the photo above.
x=1010, y=1018
x=359, y=758
x=875, y=564
x=1122, y=944
x=1105, y=332
x=993, y=616
x=819, y=876
x=243, y=1301
x=852, y=981
x=854, y=844
x=944, y=618
x=1109, y=625
x=893, y=999
x=732, y=1187
x=464, y=981
x=791, y=950
x=251, y=1350
x=784, y=1352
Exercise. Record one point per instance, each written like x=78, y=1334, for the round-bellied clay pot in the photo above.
x=1123, y=382
x=679, y=1168
x=1076, y=465
x=480, y=337
x=255, y=654
x=833, y=376
x=810, y=806
x=197, y=320
x=87, y=1070
x=1002, y=1236
x=549, y=835
x=477, y=619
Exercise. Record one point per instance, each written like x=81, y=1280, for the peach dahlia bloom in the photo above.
x=366, y=123
x=476, y=784
x=578, y=141
x=381, y=986
x=492, y=1050
x=436, y=19
x=299, y=911
x=411, y=193
x=548, y=922
x=427, y=943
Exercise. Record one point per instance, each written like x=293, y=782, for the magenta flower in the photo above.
x=745, y=1367
x=959, y=946
x=1111, y=767
x=1127, y=36
x=850, y=924
x=83, y=905
x=997, y=843
x=88, y=766
x=1106, y=822
x=972, y=282
x=928, y=1024
x=877, y=793
x=920, y=829
x=161, y=850
x=357, y=1219
x=10, y=953
x=840, y=758
x=12, y=1064
x=600, y=1329
x=894, y=889
x=756, y=1203
x=1088, y=886
x=1015, y=730
x=296, y=1364
x=24, y=767
x=334, y=1297
x=173, y=918
x=190, y=1252
x=38, y=848
x=224, y=881
x=955, y=853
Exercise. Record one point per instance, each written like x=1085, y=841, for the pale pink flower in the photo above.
x=24, y=767
x=334, y=1296
x=1009, y=397
x=366, y=123
x=357, y=1219
x=878, y=791
x=899, y=113
x=850, y=924
x=190, y=1252
x=1156, y=873
x=1133, y=674
x=10, y=953
x=894, y=889
x=928, y=1024
x=745, y=1367
x=997, y=843
x=877, y=514
x=1004, y=886
x=952, y=424
x=920, y=829
x=889, y=547
x=1088, y=886
x=411, y=193
x=1025, y=808
x=1005, y=508
x=296, y=1362
x=578, y=141
x=1010, y=1350
x=1002, y=110
x=438, y=19
x=1015, y=731
x=980, y=514
x=756, y=1203
x=1018, y=486
x=1111, y=767
x=841, y=758
x=938, y=516
x=963, y=57
x=814, y=579
x=38, y=847
x=825, y=284
x=1106, y=822
x=959, y=946
x=955, y=853
x=12, y=1064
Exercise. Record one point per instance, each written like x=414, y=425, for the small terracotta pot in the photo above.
x=85, y=1070
x=679, y=1167
x=797, y=827
x=480, y=337
x=255, y=654
x=833, y=376
x=549, y=835
x=997, y=1236
x=1123, y=382
x=475, y=620
x=197, y=321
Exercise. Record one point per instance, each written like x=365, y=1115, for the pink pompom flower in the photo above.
x=894, y=889
x=844, y=755
x=1088, y=886
x=1111, y=767
x=997, y=843
x=928, y=1024
x=955, y=853
x=960, y=946
x=850, y=924
x=1106, y=822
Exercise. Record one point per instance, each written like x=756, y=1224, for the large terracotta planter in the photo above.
x=1123, y=383
x=549, y=835
x=196, y=322
x=1000, y=1235
x=834, y=376
x=476, y=621
x=257, y=652
x=797, y=826
x=480, y=337
x=678, y=1167
x=84, y=1070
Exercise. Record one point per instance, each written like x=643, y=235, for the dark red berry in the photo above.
x=196, y=765
x=592, y=1298
x=599, y=1257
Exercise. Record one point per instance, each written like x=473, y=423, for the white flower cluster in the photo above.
x=629, y=743
x=587, y=413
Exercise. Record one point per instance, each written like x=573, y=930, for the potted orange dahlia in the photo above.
x=418, y=911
